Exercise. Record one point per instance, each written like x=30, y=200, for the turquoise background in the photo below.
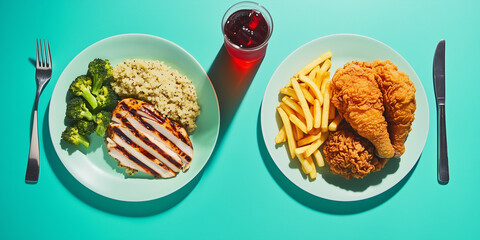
x=241, y=194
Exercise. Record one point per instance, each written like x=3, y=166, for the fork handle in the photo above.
x=33, y=166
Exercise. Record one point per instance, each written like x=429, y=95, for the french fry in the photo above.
x=309, y=139
x=312, y=85
x=324, y=84
x=300, y=116
x=303, y=104
x=317, y=114
x=307, y=94
x=313, y=173
x=298, y=133
x=313, y=115
x=325, y=66
x=320, y=78
x=332, y=127
x=306, y=167
x=306, y=70
x=288, y=131
x=326, y=107
x=287, y=109
x=289, y=92
x=281, y=136
x=319, y=158
x=313, y=74
x=313, y=147
x=301, y=150
x=292, y=104
x=294, y=119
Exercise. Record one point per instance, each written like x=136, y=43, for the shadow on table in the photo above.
x=329, y=206
x=230, y=79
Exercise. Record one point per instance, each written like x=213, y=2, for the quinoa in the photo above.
x=172, y=93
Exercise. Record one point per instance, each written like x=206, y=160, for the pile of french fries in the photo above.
x=307, y=113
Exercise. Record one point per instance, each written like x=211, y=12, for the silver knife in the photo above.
x=439, y=85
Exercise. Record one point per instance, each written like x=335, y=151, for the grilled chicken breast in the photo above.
x=139, y=137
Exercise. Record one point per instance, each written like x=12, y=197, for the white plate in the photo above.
x=94, y=168
x=345, y=48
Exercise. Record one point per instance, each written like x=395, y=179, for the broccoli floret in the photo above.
x=81, y=87
x=101, y=71
x=85, y=127
x=77, y=109
x=107, y=99
x=102, y=120
x=72, y=136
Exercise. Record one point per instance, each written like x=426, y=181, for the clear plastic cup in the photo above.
x=243, y=24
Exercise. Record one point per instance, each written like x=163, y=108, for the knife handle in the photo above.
x=442, y=155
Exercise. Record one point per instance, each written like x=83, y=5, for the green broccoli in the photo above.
x=101, y=71
x=102, y=120
x=85, y=127
x=72, y=136
x=81, y=87
x=77, y=109
x=107, y=99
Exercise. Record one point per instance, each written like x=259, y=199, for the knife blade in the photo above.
x=439, y=85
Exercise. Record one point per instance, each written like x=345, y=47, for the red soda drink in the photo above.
x=247, y=27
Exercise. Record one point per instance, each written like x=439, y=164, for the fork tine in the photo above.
x=41, y=53
x=38, y=65
x=49, y=56
x=44, y=54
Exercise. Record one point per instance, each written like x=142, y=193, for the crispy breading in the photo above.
x=357, y=96
x=350, y=155
x=399, y=101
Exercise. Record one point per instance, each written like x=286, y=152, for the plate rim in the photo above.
x=190, y=177
x=265, y=97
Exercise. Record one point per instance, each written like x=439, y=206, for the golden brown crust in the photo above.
x=350, y=155
x=357, y=96
x=399, y=100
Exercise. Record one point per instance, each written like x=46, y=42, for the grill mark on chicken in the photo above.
x=160, y=119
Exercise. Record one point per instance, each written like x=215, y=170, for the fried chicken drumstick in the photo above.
x=399, y=101
x=357, y=96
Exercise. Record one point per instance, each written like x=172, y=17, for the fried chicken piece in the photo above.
x=398, y=98
x=357, y=96
x=350, y=155
x=399, y=101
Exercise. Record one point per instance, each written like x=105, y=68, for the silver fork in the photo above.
x=43, y=74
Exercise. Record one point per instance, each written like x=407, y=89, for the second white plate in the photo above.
x=345, y=48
